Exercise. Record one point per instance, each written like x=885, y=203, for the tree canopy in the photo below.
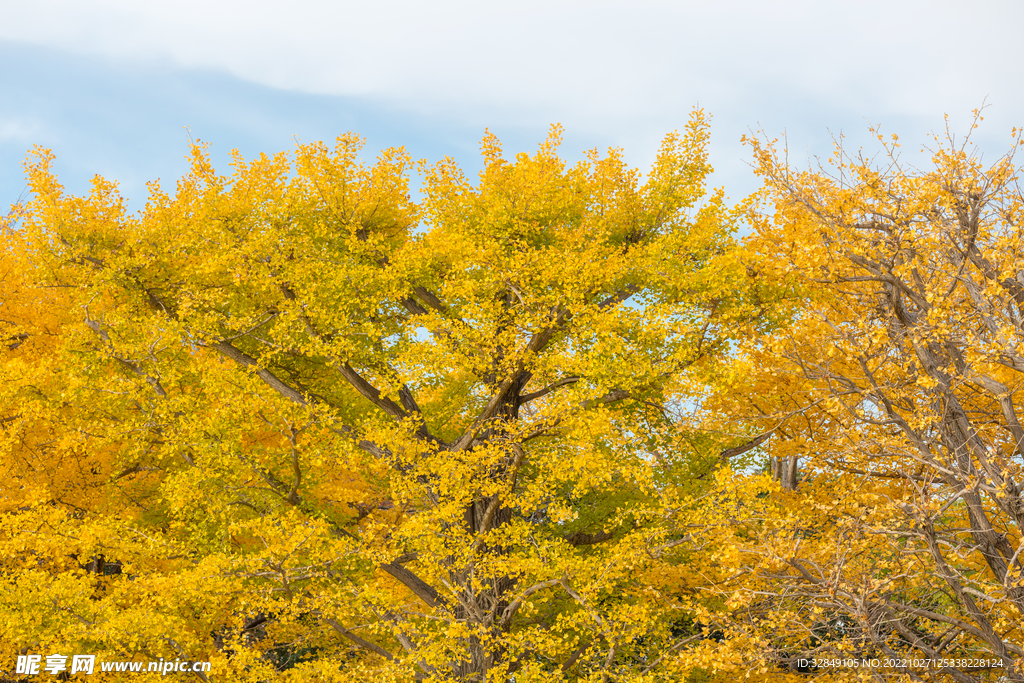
x=555, y=423
x=895, y=383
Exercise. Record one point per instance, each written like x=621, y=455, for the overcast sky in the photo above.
x=112, y=85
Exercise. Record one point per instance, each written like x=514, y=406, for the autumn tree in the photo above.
x=896, y=389
x=329, y=433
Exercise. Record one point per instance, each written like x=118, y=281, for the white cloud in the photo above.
x=614, y=72
x=18, y=130
x=599, y=63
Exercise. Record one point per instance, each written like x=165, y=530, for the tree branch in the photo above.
x=548, y=389
x=418, y=586
x=365, y=644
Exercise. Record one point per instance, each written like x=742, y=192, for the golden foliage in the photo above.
x=324, y=432
x=553, y=424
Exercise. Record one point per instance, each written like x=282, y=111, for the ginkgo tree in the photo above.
x=889, y=404
x=314, y=430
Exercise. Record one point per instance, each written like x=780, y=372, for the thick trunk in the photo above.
x=785, y=470
x=482, y=602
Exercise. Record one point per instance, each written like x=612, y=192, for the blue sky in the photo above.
x=112, y=85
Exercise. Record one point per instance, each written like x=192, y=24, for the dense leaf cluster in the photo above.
x=555, y=424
